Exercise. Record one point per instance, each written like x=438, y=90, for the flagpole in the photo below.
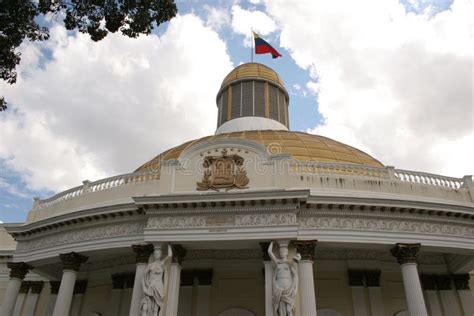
x=251, y=45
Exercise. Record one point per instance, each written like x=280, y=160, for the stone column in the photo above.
x=54, y=289
x=142, y=254
x=71, y=263
x=129, y=281
x=115, y=296
x=172, y=297
x=79, y=290
x=32, y=298
x=20, y=300
x=448, y=298
x=372, y=280
x=306, y=277
x=185, y=307
x=204, y=278
x=428, y=281
x=18, y=270
x=359, y=299
x=267, y=263
x=461, y=283
x=406, y=257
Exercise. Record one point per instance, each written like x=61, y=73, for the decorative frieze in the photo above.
x=278, y=219
x=18, y=270
x=142, y=252
x=405, y=253
x=461, y=281
x=36, y=286
x=176, y=222
x=305, y=248
x=72, y=261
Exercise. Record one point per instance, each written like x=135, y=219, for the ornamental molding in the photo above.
x=223, y=254
x=247, y=220
x=385, y=225
x=98, y=232
x=219, y=209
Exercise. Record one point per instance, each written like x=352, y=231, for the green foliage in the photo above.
x=95, y=17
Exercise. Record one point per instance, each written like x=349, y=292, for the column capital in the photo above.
x=428, y=282
x=55, y=287
x=80, y=287
x=36, y=287
x=372, y=278
x=72, y=260
x=142, y=252
x=178, y=254
x=461, y=281
x=25, y=287
x=305, y=248
x=405, y=253
x=443, y=282
x=18, y=270
x=118, y=281
x=356, y=277
x=264, y=245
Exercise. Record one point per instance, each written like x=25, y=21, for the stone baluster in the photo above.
x=372, y=280
x=32, y=298
x=406, y=257
x=142, y=255
x=18, y=271
x=428, y=281
x=204, y=278
x=21, y=298
x=359, y=299
x=115, y=296
x=267, y=263
x=448, y=298
x=79, y=290
x=71, y=264
x=54, y=289
x=172, y=297
x=461, y=283
x=306, y=277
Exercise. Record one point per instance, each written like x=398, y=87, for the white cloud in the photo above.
x=100, y=109
x=11, y=189
x=243, y=21
x=396, y=84
x=216, y=17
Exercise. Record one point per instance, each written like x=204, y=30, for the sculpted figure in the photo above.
x=154, y=284
x=285, y=281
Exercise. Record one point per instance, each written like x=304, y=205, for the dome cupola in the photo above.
x=252, y=97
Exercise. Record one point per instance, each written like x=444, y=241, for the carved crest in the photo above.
x=223, y=172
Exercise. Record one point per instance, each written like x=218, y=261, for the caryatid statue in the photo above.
x=154, y=284
x=285, y=280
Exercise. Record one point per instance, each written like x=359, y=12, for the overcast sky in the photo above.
x=394, y=79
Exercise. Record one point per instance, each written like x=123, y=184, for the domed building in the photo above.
x=195, y=226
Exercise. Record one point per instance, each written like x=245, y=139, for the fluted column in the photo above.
x=21, y=298
x=32, y=298
x=115, y=296
x=306, y=277
x=356, y=283
x=406, y=257
x=54, y=289
x=71, y=264
x=172, y=297
x=267, y=263
x=204, y=278
x=142, y=254
x=79, y=290
x=448, y=298
x=372, y=280
x=18, y=270
x=428, y=281
x=461, y=282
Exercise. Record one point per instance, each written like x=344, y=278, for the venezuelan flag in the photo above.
x=262, y=47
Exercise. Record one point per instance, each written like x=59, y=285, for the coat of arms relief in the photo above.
x=223, y=172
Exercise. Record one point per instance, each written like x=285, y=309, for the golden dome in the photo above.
x=253, y=71
x=302, y=147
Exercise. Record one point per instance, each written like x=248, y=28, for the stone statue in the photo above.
x=285, y=281
x=154, y=284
